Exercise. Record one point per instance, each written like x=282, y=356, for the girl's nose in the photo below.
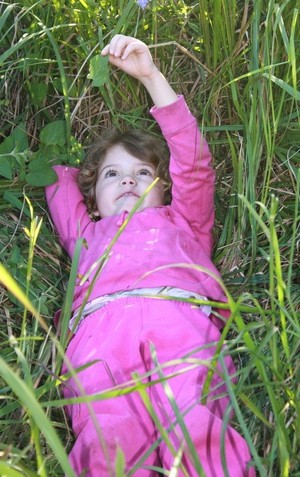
x=128, y=180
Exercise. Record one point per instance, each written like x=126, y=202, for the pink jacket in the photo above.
x=163, y=246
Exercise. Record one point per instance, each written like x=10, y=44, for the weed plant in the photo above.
x=237, y=64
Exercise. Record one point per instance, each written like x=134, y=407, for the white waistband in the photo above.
x=101, y=301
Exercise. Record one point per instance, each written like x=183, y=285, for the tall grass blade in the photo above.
x=29, y=401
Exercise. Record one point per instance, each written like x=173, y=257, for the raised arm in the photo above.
x=191, y=170
x=190, y=164
x=133, y=57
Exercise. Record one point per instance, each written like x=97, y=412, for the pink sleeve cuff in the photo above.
x=178, y=111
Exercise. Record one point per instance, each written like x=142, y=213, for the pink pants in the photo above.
x=119, y=337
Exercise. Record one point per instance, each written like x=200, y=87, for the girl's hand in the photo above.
x=131, y=56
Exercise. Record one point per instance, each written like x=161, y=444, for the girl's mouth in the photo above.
x=128, y=194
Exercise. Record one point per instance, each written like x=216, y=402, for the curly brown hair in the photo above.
x=141, y=145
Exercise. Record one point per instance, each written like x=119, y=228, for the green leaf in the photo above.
x=54, y=133
x=5, y=168
x=40, y=174
x=7, y=146
x=13, y=151
x=16, y=142
x=5, y=15
x=20, y=138
x=282, y=84
x=38, y=93
x=48, y=153
x=99, y=70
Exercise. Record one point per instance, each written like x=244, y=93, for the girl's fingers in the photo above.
x=117, y=46
x=105, y=50
x=112, y=48
x=133, y=46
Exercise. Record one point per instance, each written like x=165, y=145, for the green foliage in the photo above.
x=34, y=167
x=12, y=152
x=237, y=63
x=99, y=70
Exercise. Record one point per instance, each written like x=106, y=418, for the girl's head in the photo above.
x=118, y=169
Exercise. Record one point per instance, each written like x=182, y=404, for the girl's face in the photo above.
x=122, y=180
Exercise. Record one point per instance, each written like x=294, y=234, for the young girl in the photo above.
x=163, y=251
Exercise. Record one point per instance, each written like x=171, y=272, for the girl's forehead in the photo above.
x=119, y=156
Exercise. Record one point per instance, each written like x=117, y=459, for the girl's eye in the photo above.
x=145, y=172
x=110, y=173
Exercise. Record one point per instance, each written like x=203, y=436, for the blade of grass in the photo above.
x=29, y=401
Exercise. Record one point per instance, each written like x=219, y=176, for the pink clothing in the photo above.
x=166, y=236
x=163, y=246
x=119, y=338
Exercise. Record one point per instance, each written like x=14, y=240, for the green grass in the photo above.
x=237, y=63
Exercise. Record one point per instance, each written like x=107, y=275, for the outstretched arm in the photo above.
x=133, y=57
x=190, y=163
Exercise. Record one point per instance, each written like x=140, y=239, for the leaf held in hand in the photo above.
x=98, y=70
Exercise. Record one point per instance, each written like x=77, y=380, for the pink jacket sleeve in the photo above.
x=190, y=167
x=67, y=208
